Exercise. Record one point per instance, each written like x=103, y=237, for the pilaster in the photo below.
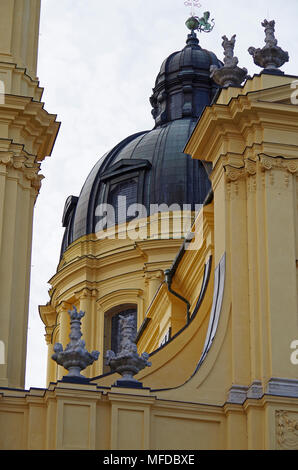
x=64, y=331
x=153, y=280
x=19, y=26
x=49, y=316
x=87, y=303
x=100, y=326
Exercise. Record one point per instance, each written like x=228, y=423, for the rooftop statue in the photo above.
x=229, y=45
x=230, y=73
x=204, y=24
x=271, y=56
x=270, y=39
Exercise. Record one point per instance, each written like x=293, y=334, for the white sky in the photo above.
x=98, y=62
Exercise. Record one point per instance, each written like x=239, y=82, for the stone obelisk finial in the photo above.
x=230, y=73
x=271, y=56
x=75, y=357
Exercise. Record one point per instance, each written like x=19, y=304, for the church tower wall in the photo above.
x=27, y=135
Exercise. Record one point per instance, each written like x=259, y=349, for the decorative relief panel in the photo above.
x=233, y=175
x=286, y=430
x=25, y=163
x=252, y=184
x=250, y=167
x=268, y=163
x=265, y=164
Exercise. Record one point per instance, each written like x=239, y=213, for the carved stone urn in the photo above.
x=271, y=57
x=75, y=357
x=127, y=362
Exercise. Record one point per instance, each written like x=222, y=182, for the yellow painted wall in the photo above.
x=27, y=135
x=84, y=417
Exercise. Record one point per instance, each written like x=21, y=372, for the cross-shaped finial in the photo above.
x=193, y=4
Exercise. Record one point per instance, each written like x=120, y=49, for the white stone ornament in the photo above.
x=75, y=357
x=271, y=56
x=230, y=74
x=127, y=362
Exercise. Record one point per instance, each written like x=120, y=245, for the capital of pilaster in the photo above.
x=13, y=157
x=157, y=275
x=269, y=162
x=49, y=334
x=249, y=166
x=48, y=315
x=233, y=173
x=63, y=307
x=86, y=293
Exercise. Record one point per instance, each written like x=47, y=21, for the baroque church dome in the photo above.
x=149, y=167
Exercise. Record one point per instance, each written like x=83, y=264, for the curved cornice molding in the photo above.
x=119, y=297
x=32, y=120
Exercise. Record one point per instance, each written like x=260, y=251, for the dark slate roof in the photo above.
x=183, y=86
x=154, y=160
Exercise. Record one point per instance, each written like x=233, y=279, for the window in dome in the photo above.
x=120, y=193
x=121, y=196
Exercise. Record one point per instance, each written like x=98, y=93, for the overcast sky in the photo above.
x=98, y=61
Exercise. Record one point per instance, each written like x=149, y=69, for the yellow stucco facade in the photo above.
x=27, y=136
x=224, y=378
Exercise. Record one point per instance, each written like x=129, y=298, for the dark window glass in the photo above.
x=121, y=196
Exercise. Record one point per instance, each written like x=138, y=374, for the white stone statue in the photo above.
x=230, y=74
x=271, y=56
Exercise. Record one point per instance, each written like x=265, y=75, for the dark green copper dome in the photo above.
x=150, y=167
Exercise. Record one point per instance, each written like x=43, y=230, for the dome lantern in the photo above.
x=183, y=86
